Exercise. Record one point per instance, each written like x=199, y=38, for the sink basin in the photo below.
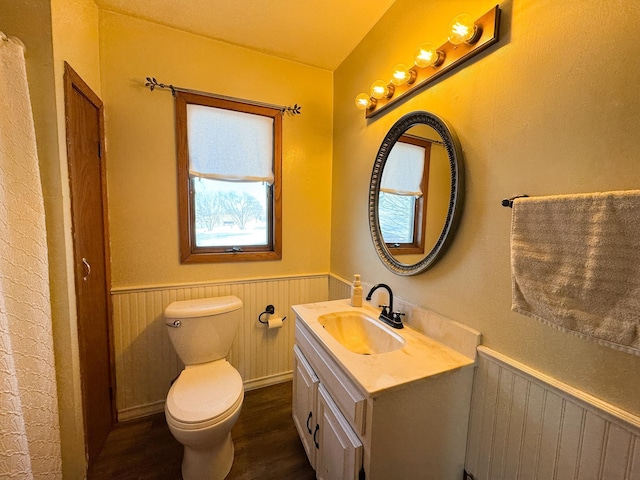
x=360, y=333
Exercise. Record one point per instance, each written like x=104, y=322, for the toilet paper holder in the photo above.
x=269, y=310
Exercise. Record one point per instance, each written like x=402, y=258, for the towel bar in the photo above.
x=508, y=202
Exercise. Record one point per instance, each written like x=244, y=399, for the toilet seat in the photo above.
x=203, y=395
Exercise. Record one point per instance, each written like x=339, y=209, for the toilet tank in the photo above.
x=207, y=327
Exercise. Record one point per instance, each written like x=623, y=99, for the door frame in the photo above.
x=73, y=81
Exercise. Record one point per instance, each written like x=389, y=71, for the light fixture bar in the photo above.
x=454, y=56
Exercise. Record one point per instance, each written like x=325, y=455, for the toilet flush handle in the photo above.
x=175, y=324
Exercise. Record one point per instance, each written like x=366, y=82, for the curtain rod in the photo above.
x=418, y=137
x=152, y=83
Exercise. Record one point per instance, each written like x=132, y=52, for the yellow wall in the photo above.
x=141, y=149
x=74, y=25
x=75, y=40
x=554, y=108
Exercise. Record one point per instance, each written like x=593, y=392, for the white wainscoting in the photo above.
x=525, y=425
x=339, y=288
x=146, y=362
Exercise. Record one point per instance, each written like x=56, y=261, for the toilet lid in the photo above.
x=205, y=391
x=202, y=307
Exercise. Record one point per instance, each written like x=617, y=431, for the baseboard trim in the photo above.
x=154, y=408
x=268, y=381
x=140, y=411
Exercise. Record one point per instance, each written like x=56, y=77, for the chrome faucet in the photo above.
x=387, y=315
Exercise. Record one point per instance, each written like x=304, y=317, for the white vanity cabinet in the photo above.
x=339, y=448
x=304, y=411
x=333, y=448
x=374, y=417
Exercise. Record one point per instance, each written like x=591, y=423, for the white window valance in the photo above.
x=403, y=170
x=229, y=145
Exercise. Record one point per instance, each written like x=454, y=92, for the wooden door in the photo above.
x=84, y=122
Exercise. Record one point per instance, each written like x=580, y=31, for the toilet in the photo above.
x=204, y=402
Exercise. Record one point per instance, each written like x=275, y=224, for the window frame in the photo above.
x=420, y=207
x=189, y=251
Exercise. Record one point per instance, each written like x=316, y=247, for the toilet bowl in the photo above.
x=202, y=406
x=205, y=400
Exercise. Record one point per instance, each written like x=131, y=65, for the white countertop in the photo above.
x=420, y=358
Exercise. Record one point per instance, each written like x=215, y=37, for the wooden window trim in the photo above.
x=420, y=213
x=189, y=252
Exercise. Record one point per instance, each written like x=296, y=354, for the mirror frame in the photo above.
x=456, y=198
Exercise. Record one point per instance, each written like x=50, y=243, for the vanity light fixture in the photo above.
x=380, y=89
x=365, y=102
x=428, y=56
x=466, y=38
x=402, y=75
x=463, y=29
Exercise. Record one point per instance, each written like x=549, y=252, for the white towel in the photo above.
x=575, y=263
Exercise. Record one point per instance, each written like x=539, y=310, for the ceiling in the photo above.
x=319, y=33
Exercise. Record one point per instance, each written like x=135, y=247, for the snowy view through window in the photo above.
x=396, y=217
x=230, y=213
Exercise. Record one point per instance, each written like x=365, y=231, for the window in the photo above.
x=229, y=173
x=403, y=189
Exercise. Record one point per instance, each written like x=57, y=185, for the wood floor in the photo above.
x=266, y=444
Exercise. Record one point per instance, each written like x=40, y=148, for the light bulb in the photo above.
x=401, y=75
x=427, y=56
x=463, y=29
x=380, y=89
x=363, y=101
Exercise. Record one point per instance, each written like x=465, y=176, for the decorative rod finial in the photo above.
x=153, y=83
x=295, y=110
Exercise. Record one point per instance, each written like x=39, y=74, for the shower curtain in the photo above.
x=29, y=428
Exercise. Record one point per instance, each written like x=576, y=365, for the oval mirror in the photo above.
x=416, y=193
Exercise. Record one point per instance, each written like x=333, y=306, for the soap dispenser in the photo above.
x=356, y=292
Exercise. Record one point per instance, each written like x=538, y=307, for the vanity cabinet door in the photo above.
x=305, y=388
x=339, y=450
